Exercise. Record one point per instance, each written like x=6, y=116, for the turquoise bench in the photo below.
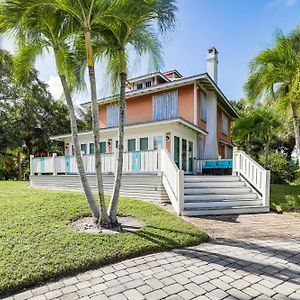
x=217, y=167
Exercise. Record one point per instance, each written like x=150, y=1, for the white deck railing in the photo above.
x=134, y=162
x=173, y=181
x=253, y=173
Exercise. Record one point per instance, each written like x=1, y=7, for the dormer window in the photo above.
x=139, y=86
x=148, y=83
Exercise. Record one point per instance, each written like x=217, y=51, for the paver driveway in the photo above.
x=234, y=265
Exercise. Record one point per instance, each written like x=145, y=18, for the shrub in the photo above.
x=281, y=170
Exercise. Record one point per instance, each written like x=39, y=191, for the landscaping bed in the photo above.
x=285, y=197
x=36, y=244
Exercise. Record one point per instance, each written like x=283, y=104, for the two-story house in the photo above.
x=188, y=116
x=175, y=128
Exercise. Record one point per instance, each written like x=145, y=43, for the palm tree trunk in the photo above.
x=113, y=207
x=296, y=129
x=266, y=164
x=86, y=187
x=104, y=220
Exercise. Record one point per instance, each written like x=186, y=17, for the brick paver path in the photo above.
x=249, y=257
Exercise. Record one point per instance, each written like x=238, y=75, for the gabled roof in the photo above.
x=204, y=79
x=150, y=75
x=173, y=71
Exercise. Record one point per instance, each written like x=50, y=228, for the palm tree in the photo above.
x=88, y=14
x=275, y=73
x=42, y=29
x=134, y=29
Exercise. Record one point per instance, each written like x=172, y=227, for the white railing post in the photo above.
x=54, y=155
x=31, y=157
x=159, y=161
x=266, y=187
x=180, y=194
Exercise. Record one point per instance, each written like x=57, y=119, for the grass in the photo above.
x=36, y=245
x=285, y=197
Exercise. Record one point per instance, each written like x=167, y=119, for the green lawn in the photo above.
x=36, y=245
x=285, y=197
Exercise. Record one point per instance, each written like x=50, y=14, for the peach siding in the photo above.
x=186, y=102
x=139, y=109
x=222, y=136
x=103, y=116
x=201, y=123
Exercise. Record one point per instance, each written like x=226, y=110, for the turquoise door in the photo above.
x=42, y=164
x=136, y=162
x=68, y=164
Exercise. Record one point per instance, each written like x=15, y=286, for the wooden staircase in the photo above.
x=218, y=195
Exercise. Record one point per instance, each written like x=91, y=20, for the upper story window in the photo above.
x=224, y=124
x=148, y=83
x=113, y=111
x=139, y=86
x=203, y=107
x=165, y=106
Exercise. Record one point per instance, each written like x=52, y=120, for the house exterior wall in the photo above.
x=201, y=123
x=139, y=109
x=221, y=135
x=186, y=102
x=103, y=116
x=167, y=132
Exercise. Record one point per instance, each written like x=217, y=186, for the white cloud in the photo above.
x=55, y=87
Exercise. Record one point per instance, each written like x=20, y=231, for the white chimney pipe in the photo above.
x=212, y=64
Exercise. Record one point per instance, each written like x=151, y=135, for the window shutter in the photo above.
x=113, y=111
x=165, y=106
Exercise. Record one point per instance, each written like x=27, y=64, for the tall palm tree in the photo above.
x=133, y=30
x=37, y=30
x=88, y=14
x=275, y=73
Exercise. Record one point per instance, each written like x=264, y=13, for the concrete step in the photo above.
x=210, y=197
x=217, y=191
x=219, y=184
x=225, y=211
x=210, y=178
x=223, y=204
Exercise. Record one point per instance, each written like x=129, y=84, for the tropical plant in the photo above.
x=132, y=31
x=116, y=30
x=255, y=130
x=275, y=74
x=39, y=28
x=281, y=170
x=28, y=115
x=88, y=15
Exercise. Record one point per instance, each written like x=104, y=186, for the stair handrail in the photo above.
x=253, y=173
x=173, y=181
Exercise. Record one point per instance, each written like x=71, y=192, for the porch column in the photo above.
x=31, y=165
x=54, y=155
x=211, y=141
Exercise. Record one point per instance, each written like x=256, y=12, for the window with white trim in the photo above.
x=113, y=111
x=224, y=124
x=203, y=107
x=165, y=106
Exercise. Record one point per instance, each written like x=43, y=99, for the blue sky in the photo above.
x=239, y=29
